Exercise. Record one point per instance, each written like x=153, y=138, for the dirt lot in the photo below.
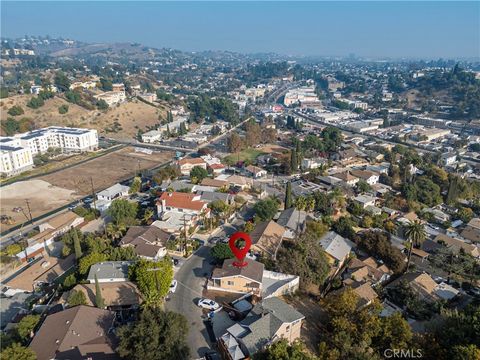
x=106, y=170
x=52, y=191
x=272, y=148
x=131, y=116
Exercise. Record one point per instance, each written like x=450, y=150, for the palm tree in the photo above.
x=415, y=234
x=110, y=230
x=310, y=204
x=301, y=203
x=147, y=216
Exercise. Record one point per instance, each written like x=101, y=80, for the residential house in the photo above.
x=337, y=249
x=310, y=164
x=252, y=278
x=210, y=196
x=365, y=200
x=368, y=176
x=48, y=232
x=216, y=169
x=81, y=332
x=267, y=238
x=240, y=181
x=294, y=222
x=347, y=178
x=472, y=231
x=182, y=203
x=236, y=279
x=425, y=287
x=214, y=183
x=187, y=164
x=109, y=271
x=268, y=321
x=148, y=242
x=456, y=245
x=438, y=215
x=367, y=270
x=364, y=291
x=113, y=192
x=255, y=171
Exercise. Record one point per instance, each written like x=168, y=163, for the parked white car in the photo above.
x=173, y=287
x=208, y=304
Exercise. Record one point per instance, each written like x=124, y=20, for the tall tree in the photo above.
x=157, y=335
x=415, y=233
x=77, y=247
x=99, y=302
x=288, y=196
x=293, y=160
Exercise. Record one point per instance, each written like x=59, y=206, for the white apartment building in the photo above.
x=15, y=160
x=17, y=152
x=299, y=95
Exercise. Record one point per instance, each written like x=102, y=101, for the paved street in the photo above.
x=191, y=279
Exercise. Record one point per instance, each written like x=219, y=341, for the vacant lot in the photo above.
x=42, y=197
x=106, y=170
x=49, y=192
x=246, y=155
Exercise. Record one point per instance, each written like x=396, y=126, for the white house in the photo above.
x=113, y=192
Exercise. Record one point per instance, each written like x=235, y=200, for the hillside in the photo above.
x=122, y=121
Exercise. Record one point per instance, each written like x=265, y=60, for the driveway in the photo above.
x=191, y=280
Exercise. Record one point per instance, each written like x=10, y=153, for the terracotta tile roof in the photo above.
x=216, y=166
x=193, y=161
x=182, y=201
x=72, y=333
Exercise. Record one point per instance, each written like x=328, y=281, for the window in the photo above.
x=230, y=283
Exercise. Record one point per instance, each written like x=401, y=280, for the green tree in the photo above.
x=26, y=326
x=15, y=110
x=35, y=102
x=63, y=109
x=76, y=297
x=197, y=174
x=136, y=185
x=282, y=350
x=153, y=279
x=415, y=233
x=61, y=81
x=99, y=302
x=123, y=211
x=157, y=335
x=266, y=209
x=288, y=196
x=221, y=252
x=77, y=246
x=102, y=105
x=18, y=352
x=294, y=160
x=89, y=260
x=362, y=186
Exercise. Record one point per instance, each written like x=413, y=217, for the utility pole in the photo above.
x=185, y=232
x=93, y=197
x=29, y=210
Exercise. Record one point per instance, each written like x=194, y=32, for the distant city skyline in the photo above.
x=366, y=29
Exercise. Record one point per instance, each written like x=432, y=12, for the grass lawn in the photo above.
x=245, y=155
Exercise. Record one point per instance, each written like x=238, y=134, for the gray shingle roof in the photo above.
x=336, y=245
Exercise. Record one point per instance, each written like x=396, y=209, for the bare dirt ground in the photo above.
x=42, y=196
x=315, y=316
x=49, y=192
x=106, y=170
x=272, y=148
x=131, y=116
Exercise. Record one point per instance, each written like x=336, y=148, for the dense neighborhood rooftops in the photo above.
x=74, y=334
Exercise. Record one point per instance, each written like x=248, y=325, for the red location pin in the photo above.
x=240, y=253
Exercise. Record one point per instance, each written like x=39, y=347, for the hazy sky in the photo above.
x=377, y=29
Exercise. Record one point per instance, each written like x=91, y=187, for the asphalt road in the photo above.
x=191, y=279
